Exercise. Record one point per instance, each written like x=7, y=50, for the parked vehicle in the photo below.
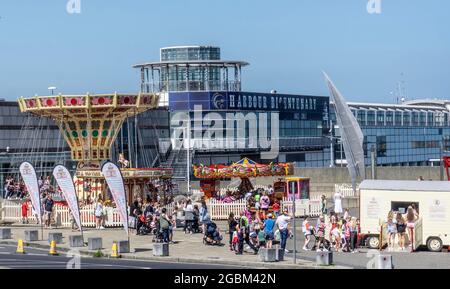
x=430, y=198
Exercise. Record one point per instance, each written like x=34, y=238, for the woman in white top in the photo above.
x=99, y=215
x=338, y=202
x=346, y=214
x=188, y=216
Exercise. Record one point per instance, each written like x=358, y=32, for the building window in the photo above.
x=415, y=118
x=380, y=118
x=361, y=117
x=425, y=144
x=422, y=119
x=406, y=118
x=389, y=118
x=381, y=146
x=371, y=118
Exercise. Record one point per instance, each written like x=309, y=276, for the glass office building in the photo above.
x=228, y=123
x=415, y=133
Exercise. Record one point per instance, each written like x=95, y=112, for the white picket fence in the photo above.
x=220, y=211
x=11, y=211
x=345, y=189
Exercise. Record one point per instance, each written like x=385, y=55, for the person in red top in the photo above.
x=276, y=209
x=24, y=212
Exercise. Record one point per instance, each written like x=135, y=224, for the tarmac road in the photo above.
x=39, y=259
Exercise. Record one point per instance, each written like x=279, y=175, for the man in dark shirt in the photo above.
x=48, y=208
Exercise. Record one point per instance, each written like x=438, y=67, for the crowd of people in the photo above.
x=262, y=224
x=47, y=206
x=16, y=189
x=400, y=228
x=333, y=232
x=258, y=231
x=149, y=217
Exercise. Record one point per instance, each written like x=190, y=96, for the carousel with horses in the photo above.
x=244, y=169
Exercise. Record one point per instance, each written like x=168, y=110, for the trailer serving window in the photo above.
x=304, y=189
x=401, y=207
x=293, y=189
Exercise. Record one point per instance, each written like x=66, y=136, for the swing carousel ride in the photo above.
x=90, y=125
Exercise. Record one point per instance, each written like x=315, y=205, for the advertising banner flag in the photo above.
x=31, y=182
x=65, y=183
x=114, y=179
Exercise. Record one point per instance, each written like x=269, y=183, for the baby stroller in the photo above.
x=146, y=227
x=326, y=244
x=212, y=235
x=195, y=226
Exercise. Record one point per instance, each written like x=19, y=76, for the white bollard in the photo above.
x=385, y=262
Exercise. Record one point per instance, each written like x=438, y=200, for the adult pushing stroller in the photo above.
x=157, y=232
x=314, y=243
x=212, y=235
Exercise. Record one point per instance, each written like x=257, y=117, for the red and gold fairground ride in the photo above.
x=90, y=125
x=210, y=176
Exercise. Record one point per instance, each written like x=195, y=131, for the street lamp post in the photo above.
x=188, y=171
x=52, y=88
x=295, y=228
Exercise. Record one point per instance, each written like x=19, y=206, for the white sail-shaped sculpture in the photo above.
x=351, y=134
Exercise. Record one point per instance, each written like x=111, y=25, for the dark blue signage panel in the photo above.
x=251, y=101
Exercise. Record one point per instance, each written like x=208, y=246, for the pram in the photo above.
x=212, y=235
x=191, y=223
x=146, y=227
x=326, y=244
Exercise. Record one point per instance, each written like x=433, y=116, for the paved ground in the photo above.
x=39, y=259
x=402, y=260
x=187, y=248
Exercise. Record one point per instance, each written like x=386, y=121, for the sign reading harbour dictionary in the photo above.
x=114, y=179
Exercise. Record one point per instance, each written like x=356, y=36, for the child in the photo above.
x=336, y=236
x=261, y=237
x=392, y=230
x=235, y=241
x=347, y=234
x=321, y=233
x=25, y=212
x=276, y=208
x=306, y=228
x=171, y=226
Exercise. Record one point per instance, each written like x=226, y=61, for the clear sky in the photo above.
x=288, y=43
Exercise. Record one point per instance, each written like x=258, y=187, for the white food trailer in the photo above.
x=431, y=198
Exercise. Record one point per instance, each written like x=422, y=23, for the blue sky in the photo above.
x=288, y=43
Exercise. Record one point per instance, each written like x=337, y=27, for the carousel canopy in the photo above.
x=244, y=168
x=89, y=123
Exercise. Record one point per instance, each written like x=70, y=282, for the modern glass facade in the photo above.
x=248, y=123
x=183, y=53
x=411, y=134
x=190, y=68
x=198, y=77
